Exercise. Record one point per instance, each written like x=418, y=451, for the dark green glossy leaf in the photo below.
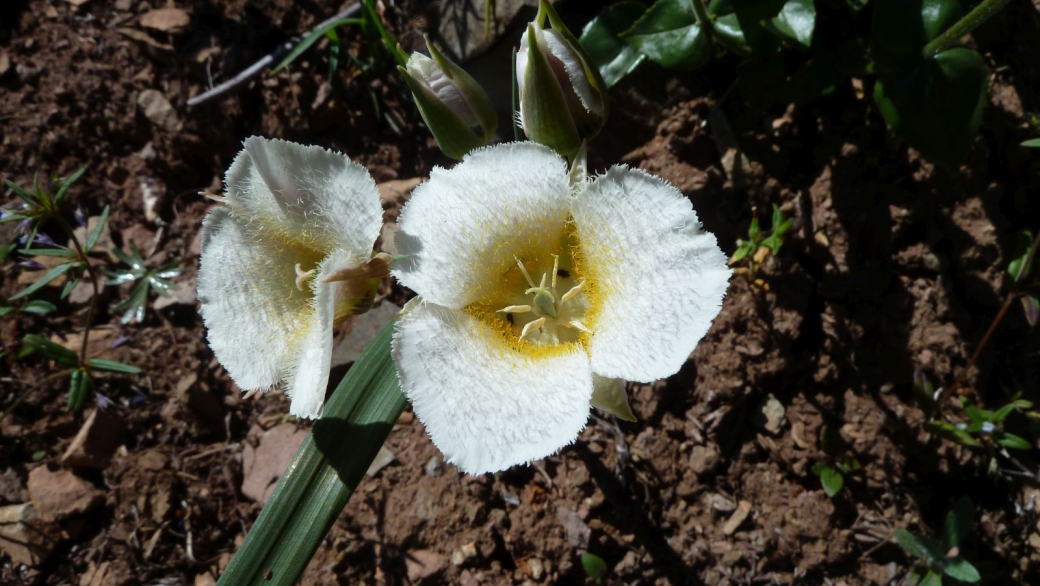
x=668, y=34
x=757, y=9
x=1013, y=442
x=958, y=524
x=947, y=430
x=47, y=277
x=112, y=366
x=326, y=470
x=832, y=481
x=594, y=566
x=613, y=56
x=796, y=22
x=937, y=107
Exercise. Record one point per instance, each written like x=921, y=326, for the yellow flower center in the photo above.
x=555, y=309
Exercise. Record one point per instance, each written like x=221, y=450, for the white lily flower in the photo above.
x=289, y=254
x=538, y=293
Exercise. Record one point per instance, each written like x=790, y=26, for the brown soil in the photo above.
x=892, y=265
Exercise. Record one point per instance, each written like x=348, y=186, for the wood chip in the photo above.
x=165, y=19
x=742, y=512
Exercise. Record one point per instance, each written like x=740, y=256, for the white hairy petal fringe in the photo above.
x=486, y=406
x=660, y=277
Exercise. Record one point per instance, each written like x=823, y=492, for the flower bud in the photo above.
x=562, y=97
x=454, y=106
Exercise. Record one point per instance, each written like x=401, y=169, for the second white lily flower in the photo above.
x=289, y=255
x=538, y=293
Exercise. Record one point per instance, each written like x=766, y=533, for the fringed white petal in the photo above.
x=486, y=406
x=305, y=194
x=308, y=372
x=250, y=304
x=659, y=277
x=462, y=229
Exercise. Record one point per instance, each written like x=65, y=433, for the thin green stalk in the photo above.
x=955, y=33
x=327, y=468
x=92, y=310
x=700, y=10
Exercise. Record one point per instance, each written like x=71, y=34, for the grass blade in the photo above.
x=326, y=470
x=311, y=39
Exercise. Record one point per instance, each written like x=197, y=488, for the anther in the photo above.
x=302, y=275
x=574, y=291
x=534, y=325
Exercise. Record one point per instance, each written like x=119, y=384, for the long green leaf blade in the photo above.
x=46, y=278
x=312, y=38
x=326, y=470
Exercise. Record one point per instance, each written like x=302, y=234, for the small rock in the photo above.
x=435, y=466
x=165, y=19
x=60, y=493
x=578, y=532
x=798, y=435
x=773, y=415
x=535, y=568
x=205, y=579
x=721, y=503
x=466, y=552
x=704, y=458
x=423, y=563
x=158, y=109
x=96, y=441
x=263, y=465
x=12, y=489
x=742, y=512
x=580, y=475
x=383, y=459
x=24, y=537
x=630, y=561
x=153, y=460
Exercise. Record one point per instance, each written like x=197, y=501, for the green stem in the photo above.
x=326, y=470
x=700, y=10
x=955, y=33
x=92, y=310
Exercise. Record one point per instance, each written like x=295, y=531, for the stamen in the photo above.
x=515, y=309
x=302, y=275
x=578, y=326
x=534, y=325
x=556, y=269
x=524, y=271
x=574, y=291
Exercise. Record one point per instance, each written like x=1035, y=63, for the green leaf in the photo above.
x=79, y=389
x=594, y=566
x=69, y=286
x=47, y=277
x=961, y=569
x=326, y=470
x=56, y=252
x=1013, y=442
x=931, y=579
x=112, y=366
x=819, y=467
x=375, y=21
x=947, y=430
x=1031, y=309
x=52, y=350
x=1032, y=143
x=849, y=465
x=754, y=232
x=5, y=250
x=796, y=22
x=959, y=522
x=614, y=57
x=65, y=184
x=310, y=39
x=39, y=307
x=938, y=106
x=5, y=310
x=902, y=28
x=1019, y=267
x=669, y=34
x=832, y=481
x=1001, y=414
x=920, y=546
x=26, y=196
x=92, y=238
